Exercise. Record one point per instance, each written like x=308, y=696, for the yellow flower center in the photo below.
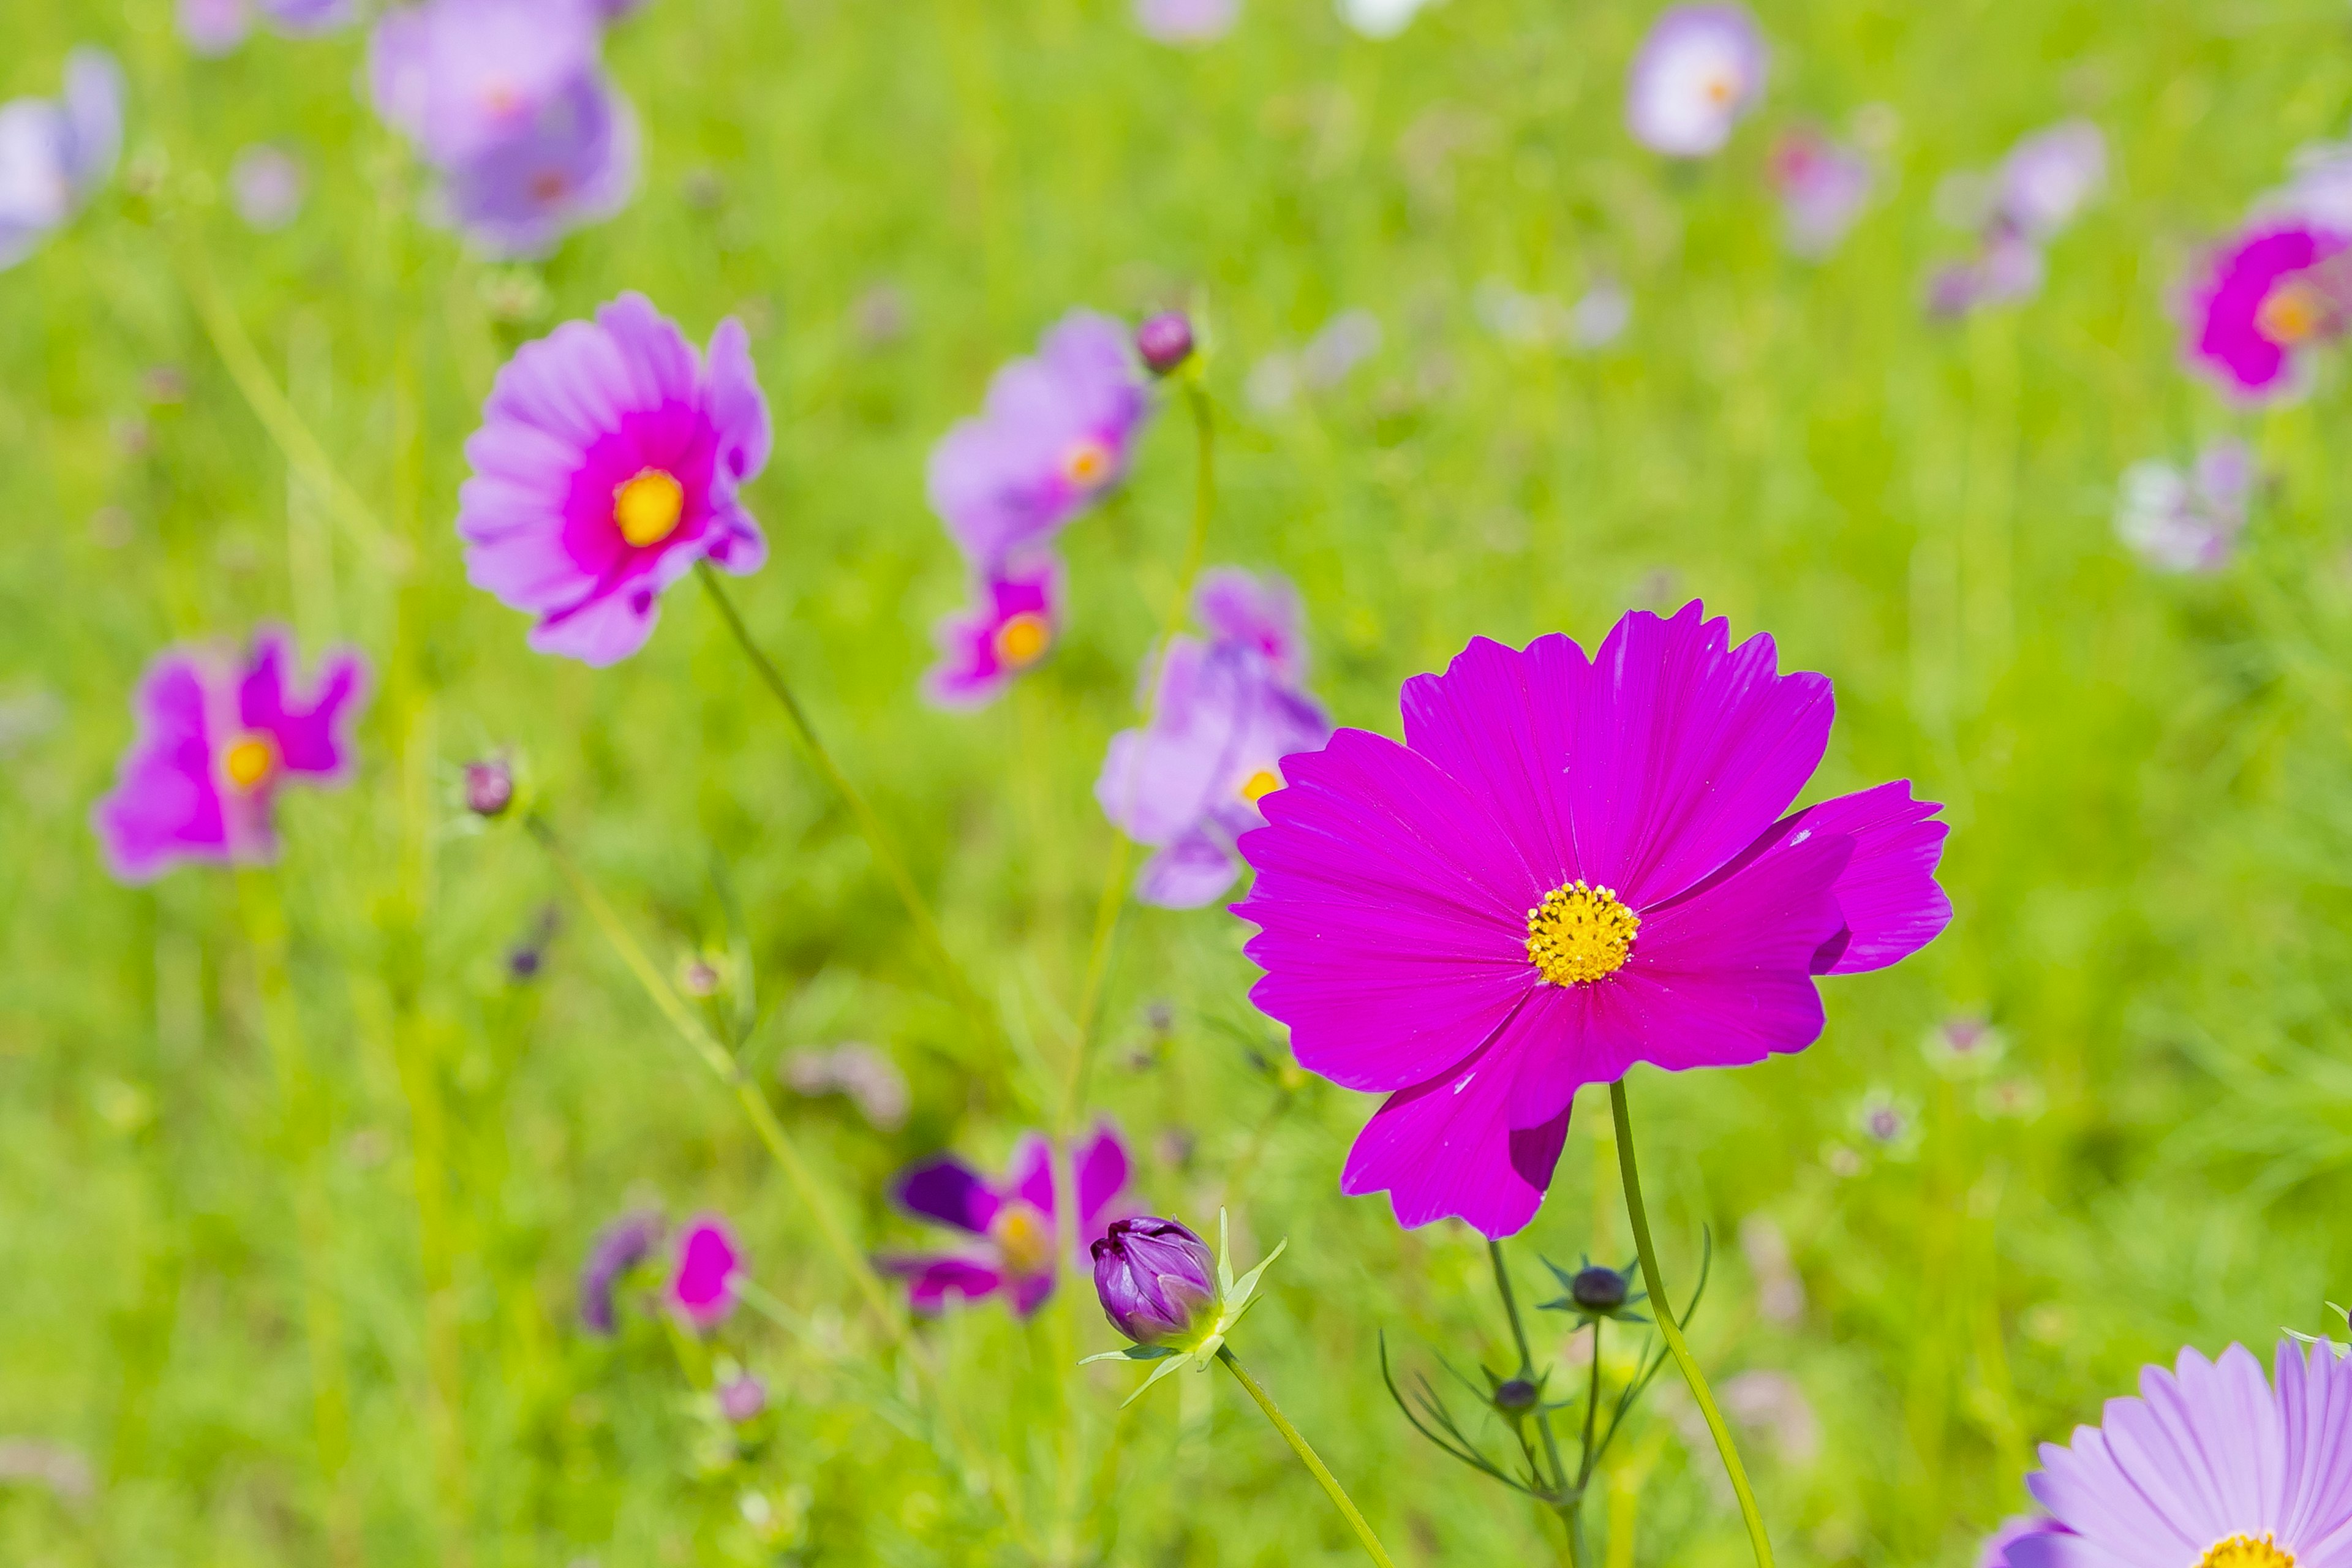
x=1260, y=784
x=249, y=759
x=1579, y=933
x=647, y=508
x=1024, y=1236
x=1022, y=639
x=1719, y=88
x=1087, y=463
x=2246, y=1552
x=2293, y=312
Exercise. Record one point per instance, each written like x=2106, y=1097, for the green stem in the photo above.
x=1591, y=1410
x=1306, y=1456
x=1528, y=1368
x=1639, y=1215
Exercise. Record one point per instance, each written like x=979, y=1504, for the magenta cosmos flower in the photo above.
x=218, y=737
x=2278, y=289
x=1014, y=1223
x=1698, y=72
x=2210, y=1468
x=1056, y=433
x=1012, y=626
x=702, y=1285
x=1572, y=865
x=607, y=466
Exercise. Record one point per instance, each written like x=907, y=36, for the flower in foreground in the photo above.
x=1056, y=433
x=2014, y=1530
x=1152, y=1279
x=1569, y=866
x=1014, y=1222
x=620, y=1246
x=1698, y=72
x=2190, y=521
x=1011, y=628
x=2210, y=1468
x=2277, y=291
x=702, y=1284
x=55, y=153
x=605, y=467
x=1823, y=184
x=218, y=736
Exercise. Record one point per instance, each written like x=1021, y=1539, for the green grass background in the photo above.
x=2150, y=857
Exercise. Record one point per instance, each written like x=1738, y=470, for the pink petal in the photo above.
x=737, y=406
x=931, y=1281
x=1502, y=722
x=1102, y=1165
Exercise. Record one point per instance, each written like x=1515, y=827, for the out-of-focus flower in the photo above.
x=490, y=786
x=2039, y=188
x=2245, y=1475
x=1823, y=184
x=265, y=186
x=1187, y=21
x=1965, y=1045
x=2014, y=1532
x=1165, y=341
x=742, y=1398
x=1012, y=1222
x=620, y=1246
x=1699, y=71
x=1225, y=715
x=2267, y=298
x=1056, y=433
x=1332, y=354
x=1780, y=1289
x=1154, y=1278
x=1888, y=1123
x=870, y=1081
x=55, y=153
x=2319, y=188
x=2190, y=521
x=575, y=162
x=1598, y=317
x=1380, y=18
x=64, y=1471
x=879, y=316
x=1571, y=864
x=218, y=736
x=1774, y=1404
x=702, y=1284
x=462, y=77
x=1011, y=628
x=605, y=467
x=214, y=27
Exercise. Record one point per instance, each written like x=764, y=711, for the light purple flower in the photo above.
x=265, y=186
x=620, y=1246
x=2274, y=292
x=1014, y=1221
x=1186, y=21
x=1154, y=1278
x=575, y=162
x=214, y=27
x=461, y=76
x=217, y=737
x=1262, y=614
x=2319, y=190
x=2210, y=1468
x=1056, y=433
x=607, y=466
x=2189, y=521
x=742, y=1398
x=55, y=153
x=703, y=1283
x=1572, y=865
x=1823, y=186
x=2048, y=177
x=1698, y=72
x=1014, y=625
x=2016, y=1529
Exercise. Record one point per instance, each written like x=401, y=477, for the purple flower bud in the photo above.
x=742, y=1399
x=1517, y=1395
x=1598, y=1289
x=619, y=1248
x=1153, y=1276
x=490, y=786
x=1165, y=341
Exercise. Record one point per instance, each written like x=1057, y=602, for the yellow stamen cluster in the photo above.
x=1026, y=1238
x=1087, y=463
x=1022, y=639
x=647, y=508
x=249, y=760
x=1579, y=933
x=2246, y=1552
x=1260, y=784
x=2293, y=310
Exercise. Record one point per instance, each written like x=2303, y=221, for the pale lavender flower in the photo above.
x=1347, y=341
x=462, y=77
x=1186, y=21
x=1699, y=71
x=576, y=162
x=1261, y=613
x=2049, y=176
x=2319, y=190
x=1774, y=1404
x=1380, y=18
x=2190, y=521
x=741, y=1398
x=2013, y=1530
x=55, y=153
x=266, y=185
x=1823, y=184
x=214, y=27
x=870, y=1081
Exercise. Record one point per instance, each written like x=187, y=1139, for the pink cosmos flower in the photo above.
x=2189, y=522
x=1055, y=435
x=702, y=1286
x=1186, y=21
x=1569, y=866
x=218, y=737
x=1261, y=613
x=1699, y=71
x=1823, y=186
x=1014, y=625
x=2275, y=291
x=460, y=77
x=574, y=162
x=607, y=466
x=1015, y=1221
x=2210, y=1468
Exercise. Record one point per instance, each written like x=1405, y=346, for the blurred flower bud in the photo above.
x=1165, y=341
x=1515, y=1395
x=619, y=1248
x=742, y=1398
x=698, y=977
x=490, y=786
x=1155, y=1278
x=1598, y=1289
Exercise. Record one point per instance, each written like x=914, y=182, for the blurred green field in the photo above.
x=2151, y=856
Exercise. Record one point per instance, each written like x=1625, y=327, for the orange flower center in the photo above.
x=1260, y=784
x=1579, y=933
x=250, y=758
x=1719, y=88
x=647, y=508
x=1024, y=1236
x=2246, y=1552
x=2293, y=311
x=1087, y=463
x=1022, y=639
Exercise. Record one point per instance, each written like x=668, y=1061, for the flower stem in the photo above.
x=877, y=838
x=1640, y=1217
x=1307, y=1456
x=1528, y=1368
x=724, y=1065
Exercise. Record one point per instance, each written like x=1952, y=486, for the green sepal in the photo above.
x=1132, y=1352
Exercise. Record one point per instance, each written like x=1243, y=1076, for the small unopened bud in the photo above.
x=742, y=1399
x=1165, y=341
x=1515, y=1395
x=490, y=786
x=1155, y=1278
x=1598, y=1289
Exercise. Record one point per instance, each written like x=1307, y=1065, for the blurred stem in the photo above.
x=1566, y=1500
x=724, y=1067
x=1306, y=1456
x=1639, y=1216
x=877, y=838
x=305, y=1133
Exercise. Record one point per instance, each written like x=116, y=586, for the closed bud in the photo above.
x=1165, y=341
x=1155, y=1278
x=489, y=788
x=1598, y=1289
x=1516, y=1394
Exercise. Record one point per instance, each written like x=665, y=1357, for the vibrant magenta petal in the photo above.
x=1102, y=1165
x=931, y=1282
x=1029, y=1175
x=702, y=1288
x=950, y=1192
x=1502, y=722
